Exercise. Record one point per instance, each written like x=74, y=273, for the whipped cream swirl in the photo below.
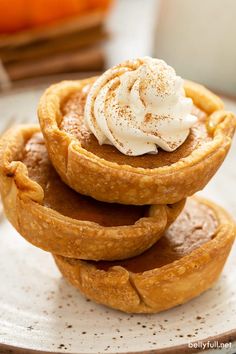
x=138, y=106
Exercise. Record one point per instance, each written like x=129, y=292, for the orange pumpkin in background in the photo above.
x=18, y=15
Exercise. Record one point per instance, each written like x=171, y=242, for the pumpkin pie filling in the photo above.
x=60, y=197
x=195, y=226
x=72, y=122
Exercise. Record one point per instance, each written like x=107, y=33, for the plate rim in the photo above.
x=226, y=337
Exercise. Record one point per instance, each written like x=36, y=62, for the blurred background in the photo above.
x=73, y=38
x=45, y=37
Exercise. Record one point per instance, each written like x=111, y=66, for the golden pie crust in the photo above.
x=107, y=175
x=50, y=215
x=189, y=258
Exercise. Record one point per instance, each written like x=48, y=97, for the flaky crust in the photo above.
x=110, y=182
x=157, y=289
x=54, y=232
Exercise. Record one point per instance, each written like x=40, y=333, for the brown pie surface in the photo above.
x=195, y=226
x=73, y=123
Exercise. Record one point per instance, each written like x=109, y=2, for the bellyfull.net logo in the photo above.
x=209, y=345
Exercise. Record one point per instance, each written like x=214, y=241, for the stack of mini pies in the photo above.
x=118, y=226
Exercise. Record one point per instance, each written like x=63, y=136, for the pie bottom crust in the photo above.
x=48, y=229
x=157, y=289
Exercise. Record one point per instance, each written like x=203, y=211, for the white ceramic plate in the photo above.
x=40, y=311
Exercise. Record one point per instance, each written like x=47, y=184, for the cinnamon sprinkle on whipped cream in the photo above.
x=138, y=106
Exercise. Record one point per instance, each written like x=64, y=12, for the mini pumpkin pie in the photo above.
x=50, y=215
x=137, y=134
x=186, y=261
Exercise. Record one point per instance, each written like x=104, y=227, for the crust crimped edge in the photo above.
x=110, y=182
x=54, y=232
x=157, y=289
